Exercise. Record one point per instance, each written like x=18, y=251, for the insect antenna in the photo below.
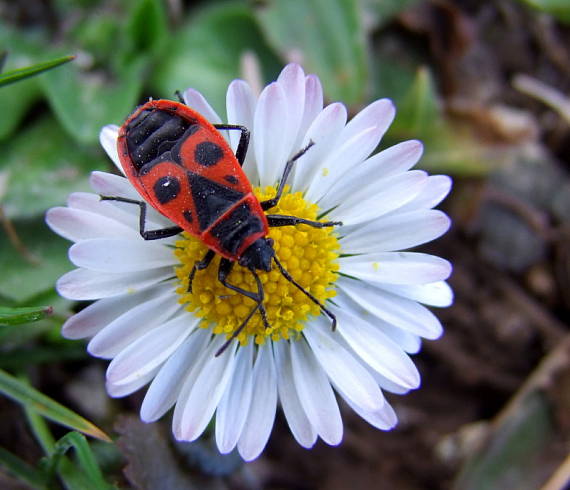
x=287, y=276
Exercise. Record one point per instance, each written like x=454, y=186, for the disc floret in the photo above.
x=309, y=254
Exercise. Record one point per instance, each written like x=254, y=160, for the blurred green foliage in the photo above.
x=126, y=51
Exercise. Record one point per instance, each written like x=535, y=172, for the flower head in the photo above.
x=157, y=330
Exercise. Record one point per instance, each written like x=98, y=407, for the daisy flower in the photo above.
x=155, y=331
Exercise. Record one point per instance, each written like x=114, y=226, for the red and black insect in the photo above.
x=183, y=167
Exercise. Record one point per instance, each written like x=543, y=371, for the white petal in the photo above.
x=190, y=379
x=118, y=391
x=373, y=202
x=376, y=349
x=396, y=232
x=206, y=392
x=108, y=139
x=396, y=268
x=196, y=101
x=112, y=255
x=150, y=351
x=261, y=414
x=324, y=132
x=436, y=190
x=343, y=159
x=115, y=186
x=292, y=81
x=433, y=294
x=316, y=394
x=83, y=284
x=398, y=311
x=379, y=114
x=77, y=224
x=165, y=387
x=342, y=368
x=301, y=428
x=313, y=106
x=236, y=400
x=240, y=106
x=388, y=385
x=370, y=174
x=131, y=325
x=384, y=419
x=355, y=142
x=270, y=122
x=108, y=184
x=92, y=203
x=97, y=315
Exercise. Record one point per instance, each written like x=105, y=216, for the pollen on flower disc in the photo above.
x=309, y=255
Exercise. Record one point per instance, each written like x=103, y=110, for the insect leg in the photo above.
x=243, y=140
x=287, y=276
x=265, y=205
x=200, y=265
x=146, y=234
x=284, y=220
x=224, y=270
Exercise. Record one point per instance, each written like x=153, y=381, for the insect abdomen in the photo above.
x=237, y=229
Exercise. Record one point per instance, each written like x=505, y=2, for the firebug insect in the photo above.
x=182, y=165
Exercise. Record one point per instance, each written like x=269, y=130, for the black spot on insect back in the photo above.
x=188, y=215
x=232, y=179
x=208, y=154
x=166, y=189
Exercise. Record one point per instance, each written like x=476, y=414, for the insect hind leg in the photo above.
x=146, y=234
x=223, y=272
x=323, y=308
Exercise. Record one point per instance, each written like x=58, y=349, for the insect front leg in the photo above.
x=223, y=272
x=200, y=265
x=284, y=220
x=265, y=205
x=243, y=140
x=146, y=234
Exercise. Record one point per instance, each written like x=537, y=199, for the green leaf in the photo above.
x=15, y=316
x=329, y=37
x=147, y=27
x=380, y=12
x=419, y=111
x=446, y=149
x=87, y=461
x=55, y=165
x=85, y=102
x=206, y=51
x=557, y=8
x=512, y=456
x=14, y=76
x=21, y=280
x=26, y=395
x=21, y=470
x=16, y=99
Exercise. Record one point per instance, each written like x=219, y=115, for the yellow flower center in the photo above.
x=309, y=255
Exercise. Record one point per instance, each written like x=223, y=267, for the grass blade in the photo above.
x=15, y=316
x=21, y=470
x=13, y=76
x=45, y=406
